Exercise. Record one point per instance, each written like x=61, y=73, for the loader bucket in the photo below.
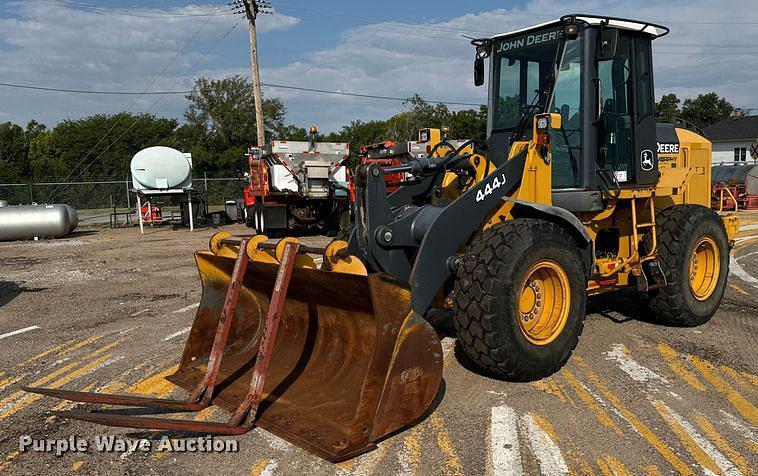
x=351, y=363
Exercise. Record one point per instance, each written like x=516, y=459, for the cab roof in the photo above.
x=656, y=31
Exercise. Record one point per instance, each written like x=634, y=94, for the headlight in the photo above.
x=543, y=123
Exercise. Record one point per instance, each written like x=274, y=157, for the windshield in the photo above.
x=534, y=73
x=524, y=66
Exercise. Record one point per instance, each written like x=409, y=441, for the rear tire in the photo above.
x=519, y=299
x=693, y=251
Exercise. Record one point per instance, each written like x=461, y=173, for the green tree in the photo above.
x=224, y=111
x=667, y=108
x=14, y=164
x=706, y=109
x=469, y=124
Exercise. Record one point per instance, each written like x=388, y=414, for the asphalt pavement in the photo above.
x=109, y=310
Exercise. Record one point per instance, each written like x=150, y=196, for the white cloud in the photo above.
x=50, y=44
x=433, y=60
x=389, y=59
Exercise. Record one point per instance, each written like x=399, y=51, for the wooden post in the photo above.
x=252, y=10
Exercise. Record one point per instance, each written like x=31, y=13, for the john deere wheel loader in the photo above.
x=576, y=193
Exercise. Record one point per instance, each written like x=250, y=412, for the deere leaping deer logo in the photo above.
x=647, y=160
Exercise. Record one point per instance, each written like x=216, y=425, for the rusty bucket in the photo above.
x=349, y=364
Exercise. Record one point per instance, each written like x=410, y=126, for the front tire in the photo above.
x=519, y=299
x=693, y=251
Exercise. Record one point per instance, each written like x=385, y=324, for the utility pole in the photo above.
x=252, y=9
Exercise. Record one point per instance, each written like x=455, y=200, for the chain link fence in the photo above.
x=105, y=195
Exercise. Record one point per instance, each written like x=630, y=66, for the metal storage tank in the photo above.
x=26, y=222
x=73, y=217
x=161, y=168
x=741, y=179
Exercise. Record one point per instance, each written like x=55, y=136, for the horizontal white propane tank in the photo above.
x=26, y=222
x=161, y=168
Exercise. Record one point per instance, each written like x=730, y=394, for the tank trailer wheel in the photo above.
x=693, y=252
x=519, y=299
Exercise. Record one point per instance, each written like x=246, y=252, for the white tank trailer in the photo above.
x=27, y=222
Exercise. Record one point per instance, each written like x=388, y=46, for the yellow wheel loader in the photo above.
x=577, y=192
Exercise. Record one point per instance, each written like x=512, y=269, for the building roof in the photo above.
x=733, y=129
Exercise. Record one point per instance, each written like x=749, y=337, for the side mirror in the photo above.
x=478, y=71
x=607, y=43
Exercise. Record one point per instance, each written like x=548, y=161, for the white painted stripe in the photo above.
x=270, y=468
x=740, y=426
x=186, y=309
x=738, y=271
x=745, y=256
x=275, y=442
x=749, y=228
x=105, y=364
x=631, y=367
x=20, y=331
x=504, y=445
x=544, y=448
x=177, y=334
x=721, y=461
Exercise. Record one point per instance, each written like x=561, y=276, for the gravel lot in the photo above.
x=109, y=310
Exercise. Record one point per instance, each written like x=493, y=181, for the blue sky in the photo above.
x=391, y=48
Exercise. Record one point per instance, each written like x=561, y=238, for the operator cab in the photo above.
x=596, y=72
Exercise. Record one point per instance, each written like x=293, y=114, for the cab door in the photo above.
x=626, y=124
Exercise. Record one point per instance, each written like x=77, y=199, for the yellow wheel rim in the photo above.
x=544, y=302
x=705, y=267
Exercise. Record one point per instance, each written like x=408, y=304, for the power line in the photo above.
x=134, y=123
x=135, y=12
x=266, y=85
x=57, y=191
x=134, y=102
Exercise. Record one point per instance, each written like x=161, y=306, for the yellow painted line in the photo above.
x=676, y=364
x=744, y=407
x=411, y=453
x=24, y=399
x=652, y=470
x=641, y=428
x=604, y=469
x=551, y=387
x=689, y=444
x=57, y=348
x=156, y=385
x=104, y=348
x=737, y=377
x=9, y=381
x=81, y=344
x=9, y=459
x=739, y=290
x=445, y=442
x=745, y=243
x=112, y=387
x=546, y=426
x=578, y=466
x=77, y=465
x=610, y=466
x=588, y=400
x=753, y=379
x=259, y=467
x=722, y=444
